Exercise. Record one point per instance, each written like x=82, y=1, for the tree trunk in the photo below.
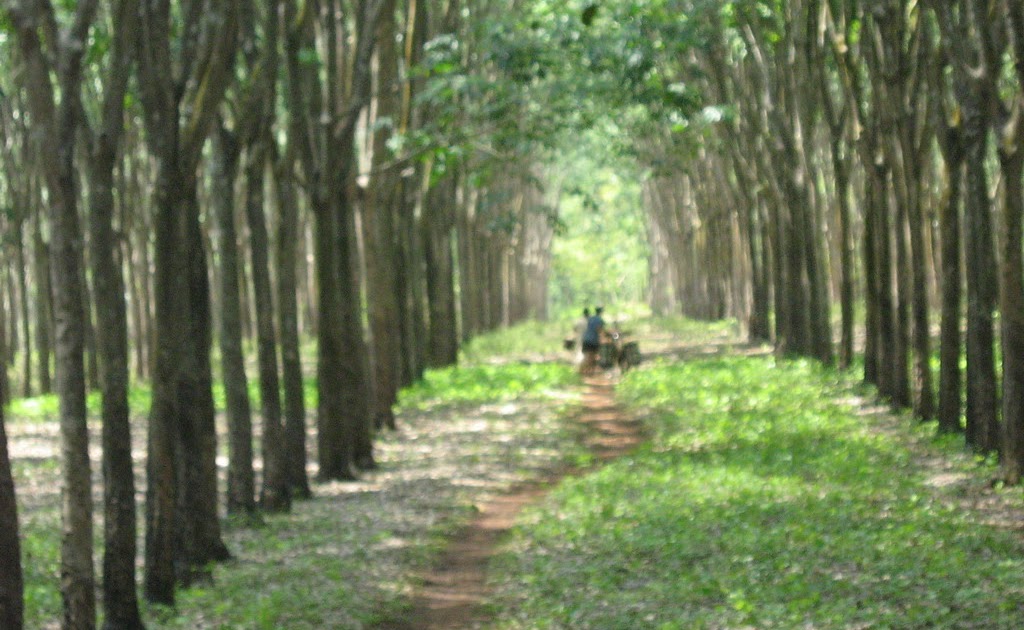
x=982, y=422
x=1011, y=304
x=358, y=392
x=334, y=439
x=5, y=384
x=382, y=201
x=410, y=281
x=442, y=344
x=58, y=127
x=884, y=275
x=43, y=290
x=183, y=530
x=241, y=488
x=12, y=600
x=950, y=382
x=199, y=523
x=26, y=319
x=1011, y=158
x=291, y=360
x=274, y=495
x=119, y=550
x=845, y=256
x=901, y=398
x=77, y=570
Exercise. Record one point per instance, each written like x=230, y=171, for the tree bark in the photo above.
x=291, y=360
x=241, y=488
x=382, y=201
x=12, y=599
x=44, y=304
x=274, y=495
x=59, y=125
x=183, y=531
x=982, y=422
x=442, y=348
x=200, y=541
x=26, y=318
x=5, y=384
x=119, y=551
x=950, y=382
x=1011, y=305
x=335, y=448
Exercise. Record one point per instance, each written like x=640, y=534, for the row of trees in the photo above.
x=372, y=173
x=244, y=170
x=811, y=153
x=864, y=154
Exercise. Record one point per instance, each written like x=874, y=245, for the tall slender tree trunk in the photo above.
x=288, y=308
x=382, y=201
x=410, y=281
x=120, y=600
x=43, y=291
x=291, y=232
x=26, y=319
x=901, y=397
x=1011, y=305
x=982, y=423
x=334, y=439
x=924, y=401
x=845, y=257
x=443, y=334
x=884, y=274
x=183, y=530
x=59, y=128
x=359, y=390
x=199, y=519
x=1011, y=158
x=162, y=453
x=5, y=383
x=274, y=495
x=241, y=489
x=950, y=397
x=77, y=569
x=12, y=596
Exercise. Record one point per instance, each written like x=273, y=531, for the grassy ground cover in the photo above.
x=349, y=557
x=768, y=498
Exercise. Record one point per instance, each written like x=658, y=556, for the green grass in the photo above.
x=527, y=340
x=46, y=407
x=480, y=384
x=306, y=570
x=348, y=558
x=760, y=502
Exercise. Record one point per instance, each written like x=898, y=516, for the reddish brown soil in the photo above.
x=452, y=593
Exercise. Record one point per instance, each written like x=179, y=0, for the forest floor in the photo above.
x=455, y=590
x=408, y=546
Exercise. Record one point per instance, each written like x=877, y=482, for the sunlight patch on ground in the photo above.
x=349, y=555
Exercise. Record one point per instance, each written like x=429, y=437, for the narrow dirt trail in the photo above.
x=453, y=591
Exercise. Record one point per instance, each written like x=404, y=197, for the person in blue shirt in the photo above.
x=592, y=342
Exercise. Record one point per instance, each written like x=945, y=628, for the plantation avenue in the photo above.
x=287, y=291
x=762, y=495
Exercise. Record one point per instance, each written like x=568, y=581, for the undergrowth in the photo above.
x=348, y=558
x=765, y=499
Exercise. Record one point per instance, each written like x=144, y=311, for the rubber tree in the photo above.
x=12, y=595
x=53, y=58
x=326, y=108
x=104, y=137
x=185, y=59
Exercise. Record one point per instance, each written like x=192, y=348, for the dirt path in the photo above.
x=452, y=593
